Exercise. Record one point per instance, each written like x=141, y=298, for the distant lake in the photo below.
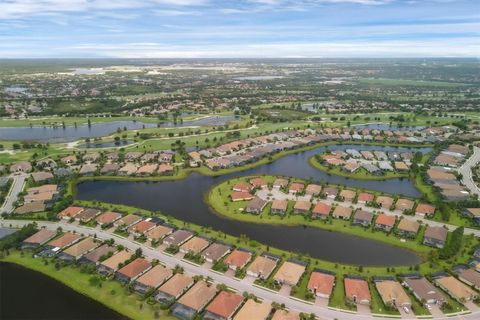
x=254, y=78
x=386, y=126
x=27, y=294
x=82, y=131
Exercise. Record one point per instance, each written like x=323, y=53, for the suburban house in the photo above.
x=384, y=202
x=96, y=255
x=313, y=190
x=330, y=193
x=60, y=243
x=280, y=183
x=133, y=270
x=392, y=293
x=357, y=291
x=321, y=210
x=341, y=212
x=258, y=183
x=404, y=204
x=38, y=239
x=127, y=221
x=289, y=273
x=321, y=284
x=193, y=302
x=158, y=232
x=362, y=218
x=108, y=218
x=223, y=306
x=473, y=213
x=385, y=222
x=110, y=265
x=195, y=245
x=238, y=259
x=435, y=236
x=242, y=187
x=425, y=210
x=424, y=290
x=470, y=277
x=21, y=167
x=87, y=215
x=152, y=279
x=281, y=314
x=407, y=228
x=256, y=205
x=215, y=252
x=301, y=207
x=173, y=288
x=261, y=267
x=279, y=207
x=241, y=196
x=455, y=288
x=295, y=188
x=77, y=250
x=364, y=198
x=140, y=228
x=178, y=237
x=348, y=195
x=41, y=176
x=253, y=310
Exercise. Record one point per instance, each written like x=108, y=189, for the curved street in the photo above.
x=466, y=171
x=239, y=285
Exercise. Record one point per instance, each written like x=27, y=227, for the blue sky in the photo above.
x=236, y=29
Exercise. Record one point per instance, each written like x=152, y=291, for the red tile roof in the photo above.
x=225, y=304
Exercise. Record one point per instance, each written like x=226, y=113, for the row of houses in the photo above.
x=183, y=294
x=38, y=199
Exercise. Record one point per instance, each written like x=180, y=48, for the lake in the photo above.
x=27, y=294
x=184, y=199
x=82, y=131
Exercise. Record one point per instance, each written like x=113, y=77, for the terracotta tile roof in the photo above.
x=242, y=187
x=258, y=182
x=262, y=265
x=313, y=189
x=343, y=212
x=348, y=194
x=289, y=273
x=40, y=237
x=198, y=296
x=285, y=315
x=70, y=212
x=357, y=288
x=241, y=196
x=408, y=225
x=365, y=197
x=425, y=209
x=176, y=284
x=302, y=205
x=385, y=220
x=81, y=247
x=456, y=288
x=322, y=209
x=159, y=232
x=155, y=276
x=384, y=201
x=195, y=245
x=119, y=257
x=321, y=282
x=108, y=217
x=280, y=205
x=404, y=204
x=135, y=268
x=225, y=304
x=64, y=240
x=280, y=182
x=142, y=226
x=252, y=310
x=296, y=187
x=238, y=258
x=392, y=291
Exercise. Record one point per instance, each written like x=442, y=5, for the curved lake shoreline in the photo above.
x=184, y=199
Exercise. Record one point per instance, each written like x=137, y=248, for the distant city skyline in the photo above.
x=239, y=29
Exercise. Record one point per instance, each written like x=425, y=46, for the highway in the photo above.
x=239, y=285
x=466, y=171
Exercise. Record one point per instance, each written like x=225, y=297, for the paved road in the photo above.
x=466, y=171
x=240, y=286
x=15, y=189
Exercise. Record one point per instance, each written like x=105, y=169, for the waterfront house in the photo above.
x=256, y=205
x=178, y=237
x=193, y=302
x=36, y=206
x=473, y=213
x=140, y=228
x=158, y=232
x=164, y=169
x=321, y=284
x=152, y=279
x=71, y=159
x=242, y=187
x=261, y=267
x=133, y=270
x=146, y=170
x=321, y=210
x=385, y=222
x=111, y=264
x=279, y=207
x=223, y=306
x=108, y=218
x=401, y=166
x=423, y=290
x=392, y=293
x=280, y=183
x=38, y=239
x=258, y=183
x=435, y=236
x=195, y=245
x=407, y=228
x=109, y=168
x=341, y=212
x=87, y=215
x=313, y=190
x=289, y=273
x=330, y=193
x=365, y=197
x=42, y=176
x=215, y=252
x=238, y=259
x=404, y=204
x=302, y=207
x=128, y=169
x=384, y=202
x=296, y=188
x=127, y=221
x=253, y=310
x=455, y=288
x=425, y=210
x=363, y=218
x=88, y=169
x=241, y=196
x=173, y=288
x=76, y=251
x=347, y=195
x=97, y=255
x=357, y=291
x=55, y=246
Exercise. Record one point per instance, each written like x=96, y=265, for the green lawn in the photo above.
x=111, y=293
